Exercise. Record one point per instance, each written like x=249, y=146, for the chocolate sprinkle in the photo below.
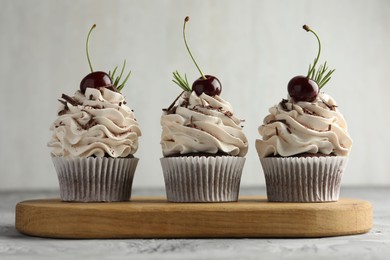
x=276, y=129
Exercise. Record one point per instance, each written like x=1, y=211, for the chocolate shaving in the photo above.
x=276, y=130
x=120, y=103
x=186, y=103
x=228, y=114
x=172, y=110
x=307, y=111
x=168, y=110
x=89, y=124
x=96, y=107
x=329, y=127
x=62, y=112
x=62, y=102
x=191, y=124
x=70, y=100
x=66, y=108
x=283, y=104
x=197, y=110
x=331, y=107
x=284, y=121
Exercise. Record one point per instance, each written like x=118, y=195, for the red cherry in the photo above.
x=301, y=88
x=95, y=79
x=210, y=86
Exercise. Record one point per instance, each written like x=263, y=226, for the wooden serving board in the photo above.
x=154, y=217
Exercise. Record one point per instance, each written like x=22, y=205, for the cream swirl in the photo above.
x=95, y=124
x=304, y=127
x=202, y=124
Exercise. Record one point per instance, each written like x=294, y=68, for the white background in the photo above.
x=253, y=47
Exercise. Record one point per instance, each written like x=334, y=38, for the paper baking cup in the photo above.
x=202, y=179
x=95, y=179
x=303, y=179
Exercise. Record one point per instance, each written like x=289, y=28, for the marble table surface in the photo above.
x=373, y=245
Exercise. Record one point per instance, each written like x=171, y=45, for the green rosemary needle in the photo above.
x=180, y=81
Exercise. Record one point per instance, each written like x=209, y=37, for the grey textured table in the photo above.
x=373, y=245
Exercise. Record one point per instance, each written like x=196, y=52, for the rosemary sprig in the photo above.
x=86, y=47
x=116, y=81
x=320, y=75
x=183, y=83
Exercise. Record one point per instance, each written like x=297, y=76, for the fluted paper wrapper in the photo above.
x=303, y=179
x=202, y=179
x=95, y=179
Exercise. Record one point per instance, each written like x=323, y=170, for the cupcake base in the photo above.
x=202, y=179
x=95, y=179
x=303, y=179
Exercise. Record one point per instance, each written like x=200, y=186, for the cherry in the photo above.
x=207, y=84
x=95, y=79
x=210, y=86
x=301, y=88
x=305, y=88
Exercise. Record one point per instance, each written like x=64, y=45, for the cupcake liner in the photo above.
x=95, y=179
x=303, y=179
x=202, y=179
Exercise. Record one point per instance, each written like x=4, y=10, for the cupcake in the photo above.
x=94, y=138
x=305, y=143
x=202, y=143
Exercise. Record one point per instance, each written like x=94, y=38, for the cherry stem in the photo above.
x=188, y=49
x=86, y=47
x=308, y=29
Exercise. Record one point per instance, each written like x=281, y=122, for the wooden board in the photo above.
x=153, y=217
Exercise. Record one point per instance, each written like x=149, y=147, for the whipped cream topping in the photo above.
x=202, y=124
x=95, y=124
x=292, y=128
